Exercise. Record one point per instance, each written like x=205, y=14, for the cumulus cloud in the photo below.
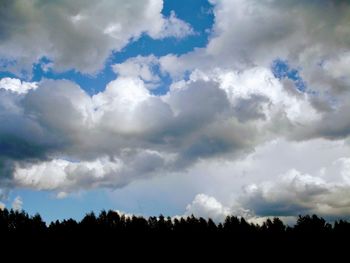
x=292, y=193
x=58, y=137
x=207, y=207
x=2, y=206
x=296, y=193
x=299, y=31
x=79, y=35
x=59, y=122
x=16, y=85
x=141, y=67
x=59, y=174
x=312, y=37
x=173, y=27
x=280, y=178
x=17, y=203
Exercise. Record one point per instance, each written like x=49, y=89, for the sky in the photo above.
x=204, y=107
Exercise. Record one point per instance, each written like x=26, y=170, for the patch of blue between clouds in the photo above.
x=282, y=70
x=198, y=13
x=162, y=87
x=76, y=205
x=73, y=206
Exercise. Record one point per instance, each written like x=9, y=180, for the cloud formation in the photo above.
x=79, y=35
x=207, y=207
x=304, y=33
x=69, y=140
x=16, y=85
x=17, y=203
x=144, y=68
x=296, y=193
x=292, y=193
x=311, y=37
x=69, y=131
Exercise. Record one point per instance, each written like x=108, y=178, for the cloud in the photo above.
x=296, y=193
x=311, y=37
x=226, y=177
x=141, y=67
x=17, y=85
x=338, y=66
x=17, y=203
x=59, y=174
x=207, y=207
x=61, y=195
x=79, y=35
x=260, y=185
x=65, y=176
x=308, y=32
x=173, y=27
x=57, y=125
x=59, y=138
x=292, y=193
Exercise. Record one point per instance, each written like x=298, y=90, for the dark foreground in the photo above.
x=111, y=234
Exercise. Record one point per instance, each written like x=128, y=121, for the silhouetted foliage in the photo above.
x=112, y=229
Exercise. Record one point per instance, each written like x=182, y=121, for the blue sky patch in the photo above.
x=197, y=13
x=282, y=70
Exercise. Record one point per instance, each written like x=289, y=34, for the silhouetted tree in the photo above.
x=312, y=224
x=113, y=229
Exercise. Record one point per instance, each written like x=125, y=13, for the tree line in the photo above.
x=17, y=222
x=110, y=228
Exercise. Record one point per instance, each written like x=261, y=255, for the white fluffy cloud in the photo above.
x=17, y=203
x=265, y=184
x=296, y=193
x=60, y=138
x=79, y=35
x=291, y=194
x=16, y=85
x=60, y=174
x=207, y=207
x=172, y=27
x=307, y=174
x=225, y=180
x=312, y=37
x=140, y=67
x=65, y=176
